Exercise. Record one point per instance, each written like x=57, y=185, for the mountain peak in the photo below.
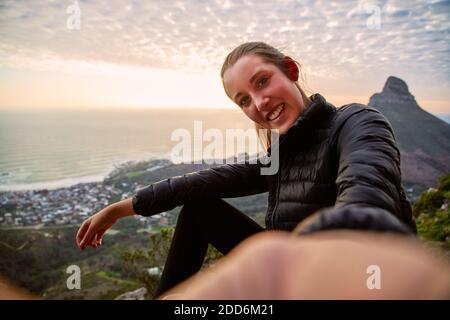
x=396, y=85
x=423, y=139
x=395, y=91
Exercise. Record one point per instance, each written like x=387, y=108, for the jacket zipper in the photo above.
x=277, y=194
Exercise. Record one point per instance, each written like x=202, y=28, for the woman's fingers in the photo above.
x=100, y=236
x=97, y=239
x=88, y=237
x=82, y=231
x=92, y=230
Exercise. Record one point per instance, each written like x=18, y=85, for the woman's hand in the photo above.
x=93, y=228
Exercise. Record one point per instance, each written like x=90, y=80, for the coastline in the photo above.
x=70, y=182
x=53, y=184
x=79, y=198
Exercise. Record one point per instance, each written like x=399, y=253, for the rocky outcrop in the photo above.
x=395, y=90
x=424, y=139
x=138, y=294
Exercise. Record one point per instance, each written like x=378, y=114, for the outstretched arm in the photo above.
x=369, y=190
x=226, y=181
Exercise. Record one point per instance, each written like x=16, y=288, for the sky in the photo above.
x=158, y=53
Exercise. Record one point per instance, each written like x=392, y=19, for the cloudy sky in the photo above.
x=162, y=53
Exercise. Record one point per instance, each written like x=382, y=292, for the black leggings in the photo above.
x=212, y=222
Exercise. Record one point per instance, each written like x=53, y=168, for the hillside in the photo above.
x=37, y=259
x=424, y=139
x=432, y=214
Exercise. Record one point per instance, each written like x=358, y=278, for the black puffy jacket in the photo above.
x=339, y=167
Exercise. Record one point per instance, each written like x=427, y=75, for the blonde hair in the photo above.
x=270, y=55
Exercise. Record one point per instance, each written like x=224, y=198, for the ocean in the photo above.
x=57, y=148
x=444, y=116
x=47, y=148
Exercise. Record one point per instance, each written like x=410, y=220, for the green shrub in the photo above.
x=444, y=183
x=137, y=262
x=432, y=218
x=133, y=174
x=435, y=227
x=429, y=202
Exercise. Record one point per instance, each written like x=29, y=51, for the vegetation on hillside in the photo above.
x=432, y=213
x=37, y=260
x=147, y=265
x=133, y=256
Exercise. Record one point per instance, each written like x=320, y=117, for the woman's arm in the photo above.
x=369, y=190
x=93, y=228
x=225, y=181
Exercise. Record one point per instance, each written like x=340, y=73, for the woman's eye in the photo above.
x=262, y=82
x=243, y=102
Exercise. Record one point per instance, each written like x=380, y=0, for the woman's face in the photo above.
x=265, y=94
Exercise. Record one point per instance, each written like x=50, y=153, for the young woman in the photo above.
x=338, y=169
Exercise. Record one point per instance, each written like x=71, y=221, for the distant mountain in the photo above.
x=424, y=139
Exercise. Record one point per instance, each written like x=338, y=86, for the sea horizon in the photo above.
x=51, y=149
x=48, y=149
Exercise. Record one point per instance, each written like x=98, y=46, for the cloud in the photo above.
x=333, y=39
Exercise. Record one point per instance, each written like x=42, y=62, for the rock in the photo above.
x=138, y=294
x=396, y=86
x=423, y=139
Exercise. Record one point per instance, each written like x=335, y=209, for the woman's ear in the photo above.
x=292, y=68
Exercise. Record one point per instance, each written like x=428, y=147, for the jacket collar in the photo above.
x=318, y=111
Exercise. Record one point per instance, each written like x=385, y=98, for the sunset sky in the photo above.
x=169, y=53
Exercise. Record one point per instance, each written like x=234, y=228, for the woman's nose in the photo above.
x=261, y=103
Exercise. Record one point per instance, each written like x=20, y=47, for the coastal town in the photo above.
x=70, y=205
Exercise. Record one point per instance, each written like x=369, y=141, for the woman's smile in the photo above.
x=275, y=114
